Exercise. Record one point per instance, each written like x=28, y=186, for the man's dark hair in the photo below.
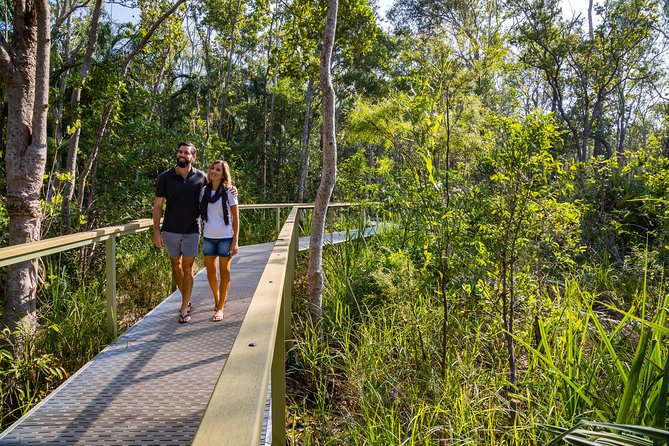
x=193, y=149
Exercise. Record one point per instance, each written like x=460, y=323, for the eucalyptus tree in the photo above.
x=152, y=21
x=358, y=37
x=24, y=67
x=65, y=46
x=299, y=55
x=592, y=74
x=475, y=30
x=329, y=141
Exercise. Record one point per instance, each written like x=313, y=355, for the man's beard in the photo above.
x=182, y=163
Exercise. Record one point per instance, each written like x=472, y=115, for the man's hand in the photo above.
x=233, y=189
x=157, y=215
x=158, y=239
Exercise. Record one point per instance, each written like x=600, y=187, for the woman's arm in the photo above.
x=234, y=246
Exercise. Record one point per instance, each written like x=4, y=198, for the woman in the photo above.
x=220, y=214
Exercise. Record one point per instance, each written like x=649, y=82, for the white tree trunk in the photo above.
x=315, y=275
x=24, y=66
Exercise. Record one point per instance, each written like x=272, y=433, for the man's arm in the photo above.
x=157, y=215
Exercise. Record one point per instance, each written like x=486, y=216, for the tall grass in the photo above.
x=370, y=374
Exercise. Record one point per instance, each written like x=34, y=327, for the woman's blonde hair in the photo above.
x=227, y=178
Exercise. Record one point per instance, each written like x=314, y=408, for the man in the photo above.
x=180, y=187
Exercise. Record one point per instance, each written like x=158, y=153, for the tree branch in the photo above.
x=6, y=63
x=149, y=34
x=60, y=19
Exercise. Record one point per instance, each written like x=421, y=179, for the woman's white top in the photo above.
x=215, y=226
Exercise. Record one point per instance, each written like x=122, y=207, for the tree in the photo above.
x=315, y=275
x=68, y=190
x=594, y=76
x=24, y=66
x=106, y=118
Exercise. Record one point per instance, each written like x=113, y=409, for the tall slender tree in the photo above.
x=329, y=138
x=68, y=190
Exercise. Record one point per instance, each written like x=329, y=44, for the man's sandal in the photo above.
x=187, y=311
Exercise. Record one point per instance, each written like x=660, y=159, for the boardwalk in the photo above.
x=152, y=386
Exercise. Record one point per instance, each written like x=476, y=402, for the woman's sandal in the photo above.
x=216, y=317
x=183, y=318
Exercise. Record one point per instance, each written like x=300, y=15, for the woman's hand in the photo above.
x=234, y=249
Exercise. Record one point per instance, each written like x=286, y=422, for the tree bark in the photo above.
x=265, y=111
x=315, y=274
x=228, y=72
x=24, y=66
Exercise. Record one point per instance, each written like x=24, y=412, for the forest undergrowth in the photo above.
x=371, y=371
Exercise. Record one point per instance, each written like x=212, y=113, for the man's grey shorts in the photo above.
x=181, y=244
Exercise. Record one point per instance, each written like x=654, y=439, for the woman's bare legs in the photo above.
x=212, y=277
x=225, y=283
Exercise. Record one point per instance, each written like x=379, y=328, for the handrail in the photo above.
x=27, y=251
x=10, y=255
x=13, y=254
x=235, y=412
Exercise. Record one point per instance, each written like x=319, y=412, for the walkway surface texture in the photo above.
x=152, y=385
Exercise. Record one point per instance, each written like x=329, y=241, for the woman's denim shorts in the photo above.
x=216, y=246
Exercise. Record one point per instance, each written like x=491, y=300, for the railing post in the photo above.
x=278, y=221
x=279, y=385
x=110, y=278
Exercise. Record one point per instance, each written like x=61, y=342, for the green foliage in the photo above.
x=357, y=181
x=72, y=314
x=622, y=205
x=594, y=433
x=25, y=378
x=370, y=372
x=144, y=277
x=440, y=121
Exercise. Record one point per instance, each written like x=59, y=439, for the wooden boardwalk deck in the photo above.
x=152, y=385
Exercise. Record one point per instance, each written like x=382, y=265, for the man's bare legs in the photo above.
x=182, y=271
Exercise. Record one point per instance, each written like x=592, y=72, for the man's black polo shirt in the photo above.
x=182, y=200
